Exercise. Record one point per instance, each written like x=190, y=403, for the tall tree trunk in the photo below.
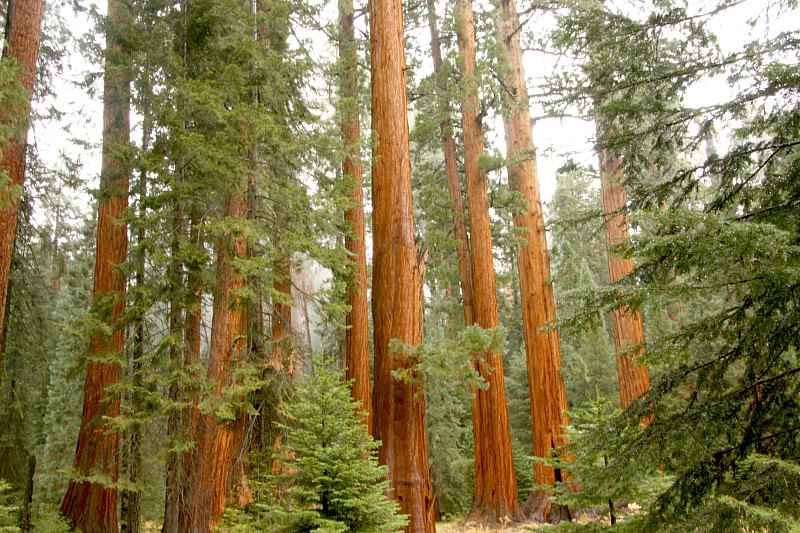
x=174, y=480
x=133, y=510
x=23, y=33
x=185, y=318
x=418, y=305
x=216, y=446
x=634, y=379
x=450, y=164
x=357, y=336
x=239, y=492
x=548, y=397
x=25, y=523
x=399, y=416
x=92, y=506
x=282, y=359
x=178, y=507
x=495, y=483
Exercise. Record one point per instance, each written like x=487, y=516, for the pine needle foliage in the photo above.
x=713, y=198
x=331, y=467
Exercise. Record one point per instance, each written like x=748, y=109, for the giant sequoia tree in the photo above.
x=399, y=416
x=215, y=447
x=495, y=484
x=357, y=341
x=713, y=190
x=548, y=400
x=90, y=503
x=23, y=33
x=229, y=123
x=633, y=377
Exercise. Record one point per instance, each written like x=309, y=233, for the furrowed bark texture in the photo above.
x=451, y=169
x=548, y=398
x=91, y=506
x=24, y=27
x=495, y=483
x=238, y=491
x=357, y=336
x=634, y=379
x=399, y=417
x=216, y=446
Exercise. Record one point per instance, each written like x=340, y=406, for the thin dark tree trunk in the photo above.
x=282, y=359
x=23, y=33
x=399, y=415
x=547, y=392
x=177, y=518
x=25, y=523
x=7, y=7
x=175, y=482
x=357, y=336
x=451, y=168
x=176, y=495
x=495, y=484
x=92, y=506
x=132, y=512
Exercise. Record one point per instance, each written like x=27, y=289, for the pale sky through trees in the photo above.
x=556, y=138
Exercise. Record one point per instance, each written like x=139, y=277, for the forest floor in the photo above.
x=459, y=526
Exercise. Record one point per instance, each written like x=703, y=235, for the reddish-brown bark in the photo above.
x=451, y=169
x=634, y=379
x=357, y=336
x=548, y=398
x=91, y=506
x=399, y=416
x=495, y=483
x=239, y=492
x=24, y=26
x=216, y=438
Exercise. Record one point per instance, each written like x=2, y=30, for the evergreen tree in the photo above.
x=90, y=502
x=23, y=31
x=578, y=269
x=398, y=274
x=542, y=344
x=495, y=484
x=330, y=461
x=724, y=402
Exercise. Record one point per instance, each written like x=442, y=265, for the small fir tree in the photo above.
x=336, y=484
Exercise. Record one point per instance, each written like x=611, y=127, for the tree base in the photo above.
x=541, y=508
x=485, y=516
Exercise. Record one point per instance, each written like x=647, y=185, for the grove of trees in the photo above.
x=370, y=266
